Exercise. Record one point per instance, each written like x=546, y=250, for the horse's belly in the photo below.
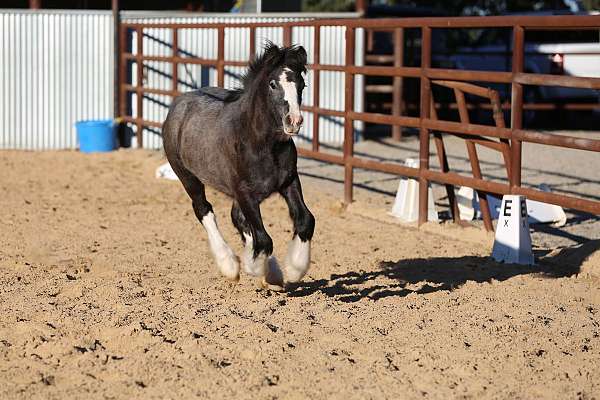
x=208, y=166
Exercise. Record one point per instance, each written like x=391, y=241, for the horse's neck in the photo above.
x=257, y=111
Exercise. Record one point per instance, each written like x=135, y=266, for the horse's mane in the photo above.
x=293, y=57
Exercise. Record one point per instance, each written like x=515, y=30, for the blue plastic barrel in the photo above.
x=96, y=135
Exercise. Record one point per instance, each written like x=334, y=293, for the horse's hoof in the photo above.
x=256, y=266
x=297, y=260
x=233, y=279
x=271, y=286
x=274, y=276
x=230, y=268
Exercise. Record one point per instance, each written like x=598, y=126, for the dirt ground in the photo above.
x=108, y=290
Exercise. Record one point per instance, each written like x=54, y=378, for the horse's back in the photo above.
x=208, y=96
x=217, y=93
x=203, y=103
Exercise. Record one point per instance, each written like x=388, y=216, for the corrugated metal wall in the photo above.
x=203, y=43
x=56, y=67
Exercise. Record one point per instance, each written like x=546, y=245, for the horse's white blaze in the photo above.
x=253, y=266
x=290, y=95
x=297, y=260
x=227, y=261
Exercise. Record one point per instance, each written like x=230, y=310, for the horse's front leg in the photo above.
x=297, y=260
x=258, y=260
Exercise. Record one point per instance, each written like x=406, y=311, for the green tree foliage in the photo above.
x=456, y=7
x=495, y=7
x=328, y=5
x=592, y=5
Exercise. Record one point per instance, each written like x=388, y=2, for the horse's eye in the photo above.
x=273, y=84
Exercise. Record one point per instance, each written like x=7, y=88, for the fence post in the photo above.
x=424, y=114
x=140, y=87
x=348, y=122
x=397, y=101
x=221, y=56
x=516, y=111
x=315, y=86
x=252, y=44
x=123, y=71
x=474, y=159
x=370, y=39
x=175, y=64
x=287, y=35
x=117, y=55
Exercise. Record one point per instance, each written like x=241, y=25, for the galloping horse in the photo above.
x=240, y=143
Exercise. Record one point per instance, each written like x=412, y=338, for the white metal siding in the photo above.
x=56, y=68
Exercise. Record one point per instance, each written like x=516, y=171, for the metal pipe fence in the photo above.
x=510, y=138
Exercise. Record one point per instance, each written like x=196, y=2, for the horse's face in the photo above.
x=285, y=89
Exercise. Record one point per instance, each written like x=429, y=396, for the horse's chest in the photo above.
x=268, y=177
x=267, y=169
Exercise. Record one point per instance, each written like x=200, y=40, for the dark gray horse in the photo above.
x=240, y=143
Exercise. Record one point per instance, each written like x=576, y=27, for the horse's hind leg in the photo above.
x=227, y=261
x=256, y=266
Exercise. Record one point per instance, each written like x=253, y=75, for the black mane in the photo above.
x=293, y=57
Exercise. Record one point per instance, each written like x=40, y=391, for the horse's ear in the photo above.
x=302, y=58
x=295, y=58
x=272, y=54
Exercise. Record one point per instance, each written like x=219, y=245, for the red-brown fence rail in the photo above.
x=509, y=139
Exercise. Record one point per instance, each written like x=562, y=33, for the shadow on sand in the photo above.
x=427, y=275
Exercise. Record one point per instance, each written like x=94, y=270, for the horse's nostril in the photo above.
x=288, y=119
x=300, y=120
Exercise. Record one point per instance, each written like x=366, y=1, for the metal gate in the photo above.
x=507, y=140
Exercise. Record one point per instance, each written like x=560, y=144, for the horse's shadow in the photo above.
x=427, y=275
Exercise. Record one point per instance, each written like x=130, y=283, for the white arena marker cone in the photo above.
x=513, y=241
x=406, y=204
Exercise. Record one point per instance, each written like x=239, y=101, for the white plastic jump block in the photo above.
x=406, y=204
x=513, y=241
x=166, y=172
x=538, y=212
x=468, y=203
